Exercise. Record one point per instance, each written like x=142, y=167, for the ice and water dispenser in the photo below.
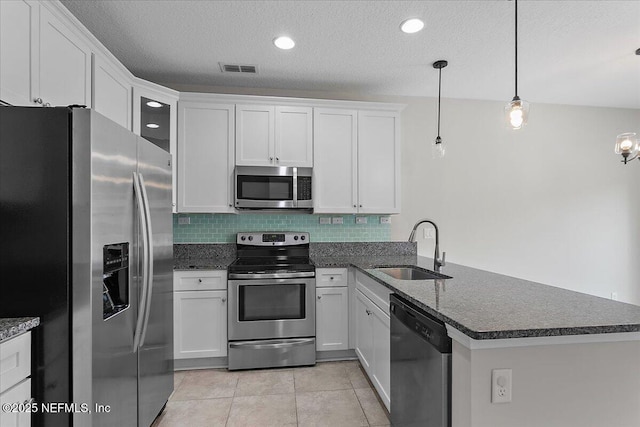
x=115, y=279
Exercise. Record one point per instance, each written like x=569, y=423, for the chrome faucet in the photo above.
x=437, y=261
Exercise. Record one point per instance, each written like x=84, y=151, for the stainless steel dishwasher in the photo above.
x=420, y=367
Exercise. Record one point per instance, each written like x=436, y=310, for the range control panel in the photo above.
x=285, y=238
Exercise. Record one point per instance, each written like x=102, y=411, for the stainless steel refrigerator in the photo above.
x=86, y=244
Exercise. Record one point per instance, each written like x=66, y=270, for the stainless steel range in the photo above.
x=272, y=301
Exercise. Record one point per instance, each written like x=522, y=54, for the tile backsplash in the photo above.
x=222, y=228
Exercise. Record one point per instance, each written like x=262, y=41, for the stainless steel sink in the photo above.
x=411, y=273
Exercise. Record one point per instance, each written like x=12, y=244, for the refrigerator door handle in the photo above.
x=142, y=306
x=149, y=240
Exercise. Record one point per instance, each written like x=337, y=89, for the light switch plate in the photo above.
x=361, y=220
x=184, y=220
x=337, y=220
x=325, y=220
x=385, y=220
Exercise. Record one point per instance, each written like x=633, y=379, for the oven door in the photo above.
x=271, y=308
x=265, y=187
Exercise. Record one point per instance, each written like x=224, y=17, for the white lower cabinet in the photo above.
x=200, y=314
x=373, y=334
x=15, y=384
x=332, y=318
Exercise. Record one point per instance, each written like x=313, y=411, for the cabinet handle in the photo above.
x=199, y=280
x=224, y=300
x=354, y=206
x=360, y=205
x=331, y=278
x=37, y=100
x=368, y=312
x=271, y=158
x=319, y=296
x=277, y=159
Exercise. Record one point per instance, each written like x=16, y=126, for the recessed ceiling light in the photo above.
x=153, y=126
x=154, y=104
x=412, y=25
x=284, y=42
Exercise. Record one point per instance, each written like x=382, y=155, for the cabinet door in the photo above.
x=205, y=157
x=18, y=394
x=335, y=160
x=364, y=333
x=378, y=162
x=111, y=92
x=200, y=324
x=255, y=135
x=64, y=68
x=381, y=328
x=166, y=115
x=18, y=50
x=294, y=136
x=332, y=319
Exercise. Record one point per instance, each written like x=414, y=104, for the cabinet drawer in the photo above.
x=331, y=277
x=20, y=394
x=201, y=280
x=376, y=292
x=15, y=361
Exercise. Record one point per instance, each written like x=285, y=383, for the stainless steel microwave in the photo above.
x=273, y=187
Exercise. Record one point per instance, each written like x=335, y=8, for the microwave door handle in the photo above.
x=145, y=255
x=295, y=187
x=149, y=238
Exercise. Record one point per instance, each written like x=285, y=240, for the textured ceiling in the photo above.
x=570, y=52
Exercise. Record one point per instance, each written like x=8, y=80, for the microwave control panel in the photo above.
x=304, y=188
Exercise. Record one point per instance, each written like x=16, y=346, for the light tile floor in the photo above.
x=328, y=394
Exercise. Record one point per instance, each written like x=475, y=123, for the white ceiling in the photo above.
x=570, y=52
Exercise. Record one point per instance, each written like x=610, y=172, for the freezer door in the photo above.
x=155, y=355
x=104, y=358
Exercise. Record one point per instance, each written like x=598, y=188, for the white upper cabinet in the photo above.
x=357, y=161
x=274, y=136
x=205, y=157
x=18, y=23
x=335, y=152
x=111, y=91
x=378, y=162
x=43, y=60
x=294, y=136
x=63, y=73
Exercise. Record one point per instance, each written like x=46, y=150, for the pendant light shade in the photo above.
x=438, y=149
x=516, y=111
x=628, y=146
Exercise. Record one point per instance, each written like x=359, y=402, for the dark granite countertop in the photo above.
x=481, y=304
x=13, y=326
x=485, y=305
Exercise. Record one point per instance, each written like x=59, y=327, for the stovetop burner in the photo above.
x=272, y=253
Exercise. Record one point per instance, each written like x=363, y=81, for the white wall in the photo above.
x=549, y=203
x=563, y=385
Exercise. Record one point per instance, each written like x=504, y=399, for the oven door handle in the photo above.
x=296, y=275
x=269, y=344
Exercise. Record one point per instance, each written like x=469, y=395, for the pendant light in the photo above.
x=628, y=146
x=438, y=149
x=517, y=111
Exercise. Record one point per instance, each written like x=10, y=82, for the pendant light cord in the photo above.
x=439, y=90
x=516, y=38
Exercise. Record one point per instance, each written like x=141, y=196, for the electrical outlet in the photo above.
x=361, y=220
x=325, y=220
x=429, y=233
x=184, y=220
x=614, y=296
x=385, y=220
x=501, y=386
x=337, y=220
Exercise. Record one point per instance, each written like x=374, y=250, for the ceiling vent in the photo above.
x=234, y=68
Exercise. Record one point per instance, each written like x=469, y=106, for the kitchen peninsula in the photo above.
x=574, y=356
